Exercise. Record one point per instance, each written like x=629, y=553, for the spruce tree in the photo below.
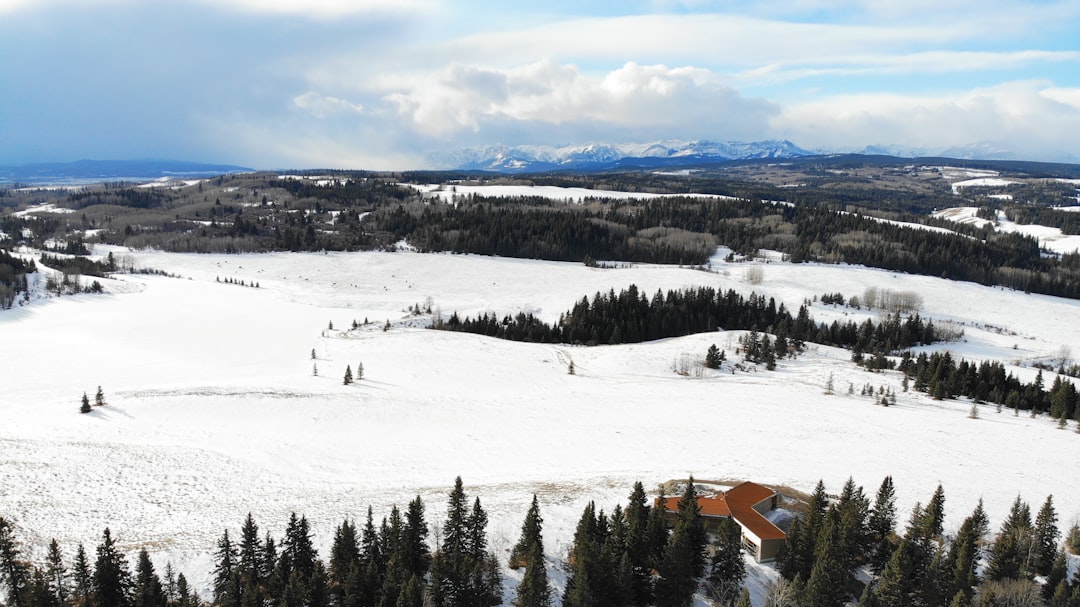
x=415, y=552
x=99, y=398
x=85, y=406
x=882, y=525
x=712, y=357
x=226, y=589
x=112, y=578
x=14, y=572
x=531, y=530
x=56, y=574
x=348, y=375
x=684, y=555
x=1046, y=536
x=534, y=591
x=82, y=578
x=148, y=590
x=727, y=570
x=359, y=371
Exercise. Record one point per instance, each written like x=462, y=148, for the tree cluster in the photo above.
x=631, y=317
x=940, y=376
x=921, y=566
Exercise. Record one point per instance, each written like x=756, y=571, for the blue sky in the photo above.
x=392, y=84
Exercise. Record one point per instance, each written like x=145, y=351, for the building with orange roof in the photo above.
x=747, y=503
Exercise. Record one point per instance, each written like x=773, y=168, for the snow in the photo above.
x=981, y=182
x=1075, y=209
x=42, y=208
x=543, y=191
x=1051, y=239
x=214, y=411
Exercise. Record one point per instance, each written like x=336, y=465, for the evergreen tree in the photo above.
x=99, y=398
x=1009, y=557
x=684, y=556
x=828, y=581
x=82, y=578
x=348, y=375
x=184, y=597
x=148, y=590
x=1046, y=536
x=14, y=572
x=965, y=553
x=226, y=587
x=882, y=525
x=531, y=530
x=359, y=371
x=85, y=406
x=934, y=515
x=712, y=357
x=112, y=578
x=248, y=564
x=415, y=552
x=728, y=570
x=534, y=591
x=56, y=574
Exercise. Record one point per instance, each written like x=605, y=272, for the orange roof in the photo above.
x=737, y=502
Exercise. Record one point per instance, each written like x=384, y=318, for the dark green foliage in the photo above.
x=1010, y=555
x=631, y=317
x=148, y=591
x=85, y=406
x=1045, y=539
x=534, y=591
x=881, y=525
x=727, y=570
x=99, y=398
x=941, y=376
x=112, y=578
x=82, y=578
x=14, y=572
x=684, y=556
x=463, y=573
x=966, y=552
x=531, y=534
x=713, y=357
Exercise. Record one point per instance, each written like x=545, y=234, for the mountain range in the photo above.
x=606, y=156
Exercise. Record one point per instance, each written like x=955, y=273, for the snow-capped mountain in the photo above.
x=603, y=156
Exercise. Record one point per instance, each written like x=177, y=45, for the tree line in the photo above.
x=631, y=317
x=942, y=377
x=919, y=565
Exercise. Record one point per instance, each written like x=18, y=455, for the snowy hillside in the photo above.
x=214, y=411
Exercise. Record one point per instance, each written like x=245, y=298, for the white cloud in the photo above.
x=1034, y=119
x=323, y=8
x=632, y=97
x=322, y=106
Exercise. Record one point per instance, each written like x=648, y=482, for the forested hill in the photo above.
x=878, y=222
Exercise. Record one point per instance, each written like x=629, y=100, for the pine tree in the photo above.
x=226, y=589
x=534, y=591
x=56, y=574
x=415, y=552
x=82, y=578
x=684, y=556
x=348, y=375
x=99, y=398
x=934, y=515
x=14, y=572
x=148, y=590
x=112, y=578
x=882, y=524
x=728, y=571
x=1046, y=536
x=531, y=533
x=712, y=357
x=85, y=407
x=359, y=371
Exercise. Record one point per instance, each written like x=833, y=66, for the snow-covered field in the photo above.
x=214, y=410
x=1051, y=239
x=447, y=192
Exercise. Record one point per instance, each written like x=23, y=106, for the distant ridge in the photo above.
x=86, y=171
x=602, y=156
